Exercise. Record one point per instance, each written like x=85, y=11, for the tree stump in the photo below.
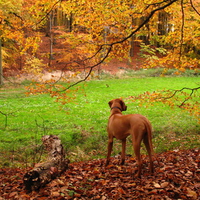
x=56, y=164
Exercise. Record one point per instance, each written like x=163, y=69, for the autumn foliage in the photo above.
x=94, y=30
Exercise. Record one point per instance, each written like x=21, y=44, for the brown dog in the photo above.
x=120, y=126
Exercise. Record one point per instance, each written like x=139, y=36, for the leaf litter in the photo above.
x=176, y=176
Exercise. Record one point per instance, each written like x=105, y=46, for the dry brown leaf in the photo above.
x=55, y=194
x=156, y=185
x=164, y=184
x=176, y=177
x=191, y=193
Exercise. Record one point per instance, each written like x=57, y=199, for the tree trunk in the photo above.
x=1, y=67
x=51, y=18
x=56, y=164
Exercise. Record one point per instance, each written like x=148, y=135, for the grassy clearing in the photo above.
x=82, y=124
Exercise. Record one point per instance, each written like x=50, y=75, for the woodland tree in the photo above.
x=1, y=69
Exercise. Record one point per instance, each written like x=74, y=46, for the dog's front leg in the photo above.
x=123, y=151
x=110, y=145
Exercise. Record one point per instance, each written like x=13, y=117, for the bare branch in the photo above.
x=156, y=4
x=91, y=68
x=47, y=14
x=6, y=116
x=83, y=60
x=18, y=16
x=185, y=88
x=7, y=79
x=145, y=21
x=194, y=7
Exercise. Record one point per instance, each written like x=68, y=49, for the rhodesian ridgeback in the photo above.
x=120, y=126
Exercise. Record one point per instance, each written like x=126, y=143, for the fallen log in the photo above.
x=56, y=164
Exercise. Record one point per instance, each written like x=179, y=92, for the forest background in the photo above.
x=74, y=41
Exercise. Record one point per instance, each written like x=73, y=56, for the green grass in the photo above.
x=82, y=124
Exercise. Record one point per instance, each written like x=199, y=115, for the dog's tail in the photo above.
x=149, y=135
x=149, y=139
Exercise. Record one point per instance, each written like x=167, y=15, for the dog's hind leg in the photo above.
x=149, y=151
x=136, y=139
x=110, y=145
x=123, y=151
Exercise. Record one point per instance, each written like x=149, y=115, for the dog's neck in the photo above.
x=115, y=110
x=116, y=107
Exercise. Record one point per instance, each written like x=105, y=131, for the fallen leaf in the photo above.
x=156, y=185
x=55, y=194
x=164, y=184
x=191, y=193
x=13, y=194
x=131, y=185
x=176, y=177
x=121, y=191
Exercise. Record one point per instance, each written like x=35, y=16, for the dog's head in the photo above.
x=119, y=103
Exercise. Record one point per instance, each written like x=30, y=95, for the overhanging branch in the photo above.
x=194, y=8
x=181, y=90
x=91, y=68
x=48, y=13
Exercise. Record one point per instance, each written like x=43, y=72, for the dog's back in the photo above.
x=119, y=124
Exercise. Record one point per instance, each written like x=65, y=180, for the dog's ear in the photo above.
x=110, y=103
x=124, y=107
